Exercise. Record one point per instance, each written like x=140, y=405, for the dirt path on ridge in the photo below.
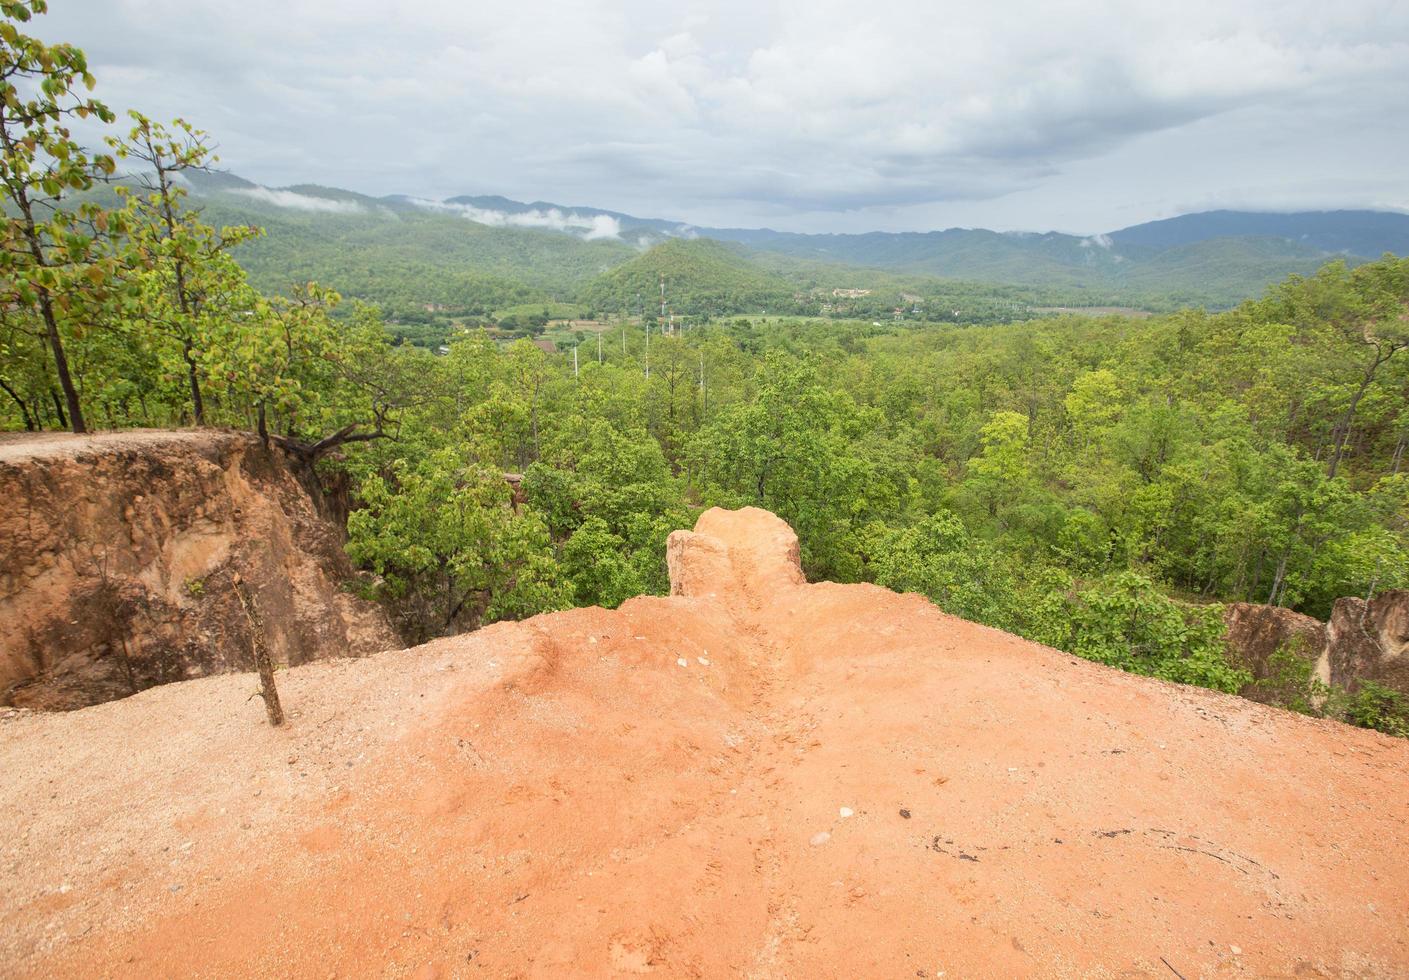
x=753, y=777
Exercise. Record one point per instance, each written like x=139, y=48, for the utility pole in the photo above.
x=648, y=349
x=704, y=392
x=574, y=360
x=599, y=347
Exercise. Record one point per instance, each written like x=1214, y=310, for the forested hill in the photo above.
x=397, y=253
x=705, y=277
x=479, y=253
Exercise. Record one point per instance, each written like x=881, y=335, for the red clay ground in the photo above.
x=838, y=782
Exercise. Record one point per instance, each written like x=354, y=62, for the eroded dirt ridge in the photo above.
x=755, y=776
x=119, y=549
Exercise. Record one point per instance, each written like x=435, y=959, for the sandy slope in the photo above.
x=562, y=797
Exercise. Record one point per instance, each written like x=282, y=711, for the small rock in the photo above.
x=683, y=662
x=819, y=839
x=905, y=814
x=844, y=812
x=1236, y=950
x=704, y=661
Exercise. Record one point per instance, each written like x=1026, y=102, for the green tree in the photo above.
x=600, y=566
x=1126, y=621
x=797, y=449
x=451, y=551
x=938, y=558
x=191, y=279
x=56, y=259
x=1002, y=469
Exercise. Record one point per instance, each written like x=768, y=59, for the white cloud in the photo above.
x=790, y=112
x=299, y=202
x=588, y=226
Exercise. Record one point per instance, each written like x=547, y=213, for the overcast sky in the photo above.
x=809, y=116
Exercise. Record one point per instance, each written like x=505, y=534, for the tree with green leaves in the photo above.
x=451, y=552
x=939, y=557
x=1002, y=469
x=190, y=279
x=57, y=263
x=1376, y=319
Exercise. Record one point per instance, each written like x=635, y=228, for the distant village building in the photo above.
x=851, y=293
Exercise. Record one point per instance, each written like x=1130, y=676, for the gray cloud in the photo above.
x=818, y=115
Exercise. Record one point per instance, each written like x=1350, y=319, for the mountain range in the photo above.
x=478, y=253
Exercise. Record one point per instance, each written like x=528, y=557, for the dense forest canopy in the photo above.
x=1100, y=484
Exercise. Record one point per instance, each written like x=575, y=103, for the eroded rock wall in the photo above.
x=116, y=557
x=1370, y=641
x=1363, y=641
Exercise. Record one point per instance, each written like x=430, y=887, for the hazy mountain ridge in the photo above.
x=1351, y=232
x=480, y=251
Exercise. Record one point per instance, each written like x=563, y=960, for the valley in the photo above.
x=845, y=582
x=432, y=267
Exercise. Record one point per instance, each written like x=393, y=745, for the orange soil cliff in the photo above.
x=755, y=776
x=117, y=551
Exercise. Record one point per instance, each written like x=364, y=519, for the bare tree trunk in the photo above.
x=1342, y=430
x=19, y=194
x=56, y=347
x=29, y=425
x=197, y=402
x=1278, y=580
x=58, y=408
x=262, y=661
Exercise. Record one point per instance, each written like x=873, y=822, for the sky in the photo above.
x=896, y=115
